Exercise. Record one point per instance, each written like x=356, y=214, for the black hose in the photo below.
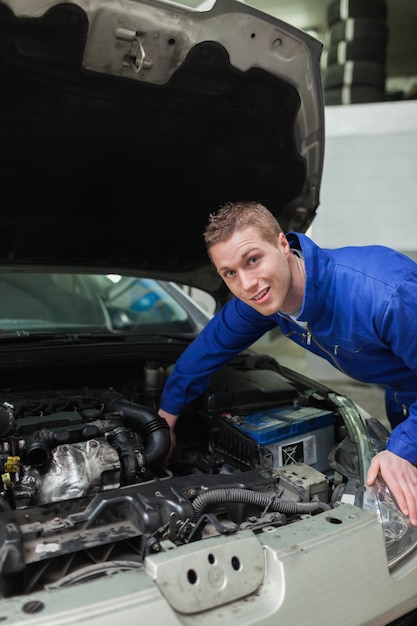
x=263, y=501
x=151, y=427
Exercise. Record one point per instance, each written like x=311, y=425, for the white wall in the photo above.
x=369, y=185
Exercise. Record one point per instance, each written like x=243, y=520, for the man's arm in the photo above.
x=397, y=464
x=229, y=332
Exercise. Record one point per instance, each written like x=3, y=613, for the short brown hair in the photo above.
x=234, y=216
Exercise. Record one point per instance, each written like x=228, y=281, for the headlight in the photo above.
x=400, y=536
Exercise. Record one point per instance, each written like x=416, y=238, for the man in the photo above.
x=353, y=306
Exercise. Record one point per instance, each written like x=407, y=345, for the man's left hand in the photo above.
x=401, y=477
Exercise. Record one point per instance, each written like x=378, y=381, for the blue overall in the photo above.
x=359, y=312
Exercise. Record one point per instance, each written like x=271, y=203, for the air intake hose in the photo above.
x=153, y=429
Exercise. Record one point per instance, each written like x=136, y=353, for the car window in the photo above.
x=52, y=301
x=144, y=300
x=145, y=297
x=206, y=301
x=42, y=300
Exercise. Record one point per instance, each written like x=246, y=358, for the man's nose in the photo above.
x=248, y=280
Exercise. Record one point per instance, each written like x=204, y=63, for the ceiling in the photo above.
x=401, y=64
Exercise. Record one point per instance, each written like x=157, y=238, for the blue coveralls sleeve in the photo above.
x=229, y=332
x=400, y=331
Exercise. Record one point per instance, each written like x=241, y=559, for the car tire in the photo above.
x=353, y=94
x=353, y=29
x=343, y=9
x=360, y=50
x=355, y=73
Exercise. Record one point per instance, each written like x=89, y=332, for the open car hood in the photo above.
x=124, y=124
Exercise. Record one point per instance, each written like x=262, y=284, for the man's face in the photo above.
x=256, y=271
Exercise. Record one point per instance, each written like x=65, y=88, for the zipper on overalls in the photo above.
x=404, y=407
x=309, y=338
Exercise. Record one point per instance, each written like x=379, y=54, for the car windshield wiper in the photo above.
x=24, y=336
x=154, y=335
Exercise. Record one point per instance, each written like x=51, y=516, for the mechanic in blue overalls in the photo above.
x=354, y=306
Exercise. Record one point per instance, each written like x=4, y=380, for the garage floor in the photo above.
x=370, y=397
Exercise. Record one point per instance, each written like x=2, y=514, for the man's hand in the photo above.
x=401, y=477
x=171, y=420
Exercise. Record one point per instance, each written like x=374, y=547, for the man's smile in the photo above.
x=261, y=294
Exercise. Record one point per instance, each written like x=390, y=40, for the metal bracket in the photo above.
x=135, y=58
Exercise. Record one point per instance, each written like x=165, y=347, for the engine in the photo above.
x=85, y=480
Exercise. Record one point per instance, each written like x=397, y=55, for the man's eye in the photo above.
x=253, y=260
x=229, y=273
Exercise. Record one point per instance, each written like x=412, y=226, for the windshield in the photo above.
x=47, y=301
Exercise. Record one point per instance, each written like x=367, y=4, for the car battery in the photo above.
x=294, y=434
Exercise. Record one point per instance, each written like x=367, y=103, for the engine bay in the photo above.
x=86, y=486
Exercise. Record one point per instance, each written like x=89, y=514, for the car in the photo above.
x=123, y=126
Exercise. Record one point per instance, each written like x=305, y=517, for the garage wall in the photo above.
x=369, y=186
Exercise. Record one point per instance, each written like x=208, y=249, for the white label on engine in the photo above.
x=302, y=451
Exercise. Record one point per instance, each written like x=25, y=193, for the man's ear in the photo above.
x=283, y=243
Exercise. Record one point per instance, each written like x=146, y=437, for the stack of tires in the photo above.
x=355, y=52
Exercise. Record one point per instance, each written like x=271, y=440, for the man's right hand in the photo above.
x=171, y=421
